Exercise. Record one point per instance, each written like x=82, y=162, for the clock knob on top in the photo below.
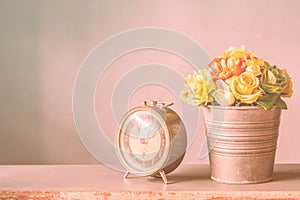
x=151, y=140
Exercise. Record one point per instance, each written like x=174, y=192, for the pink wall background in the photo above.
x=43, y=43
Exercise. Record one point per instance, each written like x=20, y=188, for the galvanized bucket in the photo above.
x=242, y=143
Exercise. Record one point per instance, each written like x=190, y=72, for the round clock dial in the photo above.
x=145, y=139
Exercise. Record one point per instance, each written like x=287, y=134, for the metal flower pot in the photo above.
x=242, y=143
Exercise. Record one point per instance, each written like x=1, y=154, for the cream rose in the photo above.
x=223, y=97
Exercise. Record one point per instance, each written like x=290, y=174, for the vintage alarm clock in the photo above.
x=151, y=140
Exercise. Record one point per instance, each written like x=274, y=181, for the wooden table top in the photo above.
x=101, y=182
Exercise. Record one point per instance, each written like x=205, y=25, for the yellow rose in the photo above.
x=198, y=88
x=245, y=87
x=236, y=52
x=253, y=67
x=201, y=91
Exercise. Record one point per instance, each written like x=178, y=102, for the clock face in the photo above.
x=143, y=141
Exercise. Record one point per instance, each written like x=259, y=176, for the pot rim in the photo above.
x=238, y=107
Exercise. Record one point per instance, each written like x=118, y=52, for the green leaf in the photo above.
x=267, y=101
x=281, y=104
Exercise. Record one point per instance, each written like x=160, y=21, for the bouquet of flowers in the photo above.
x=238, y=78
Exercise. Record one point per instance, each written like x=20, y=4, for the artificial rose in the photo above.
x=273, y=80
x=198, y=88
x=288, y=90
x=231, y=67
x=236, y=52
x=240, y=78
x=254, y=66
x=188, y=96
x=245, y=87
x=223, y=97
x=222, y=85
x=235, y=61
x=225, y=68
x=222, y=94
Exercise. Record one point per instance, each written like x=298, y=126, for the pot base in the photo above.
x=241, y=182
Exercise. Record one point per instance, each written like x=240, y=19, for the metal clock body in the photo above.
x=151, y=140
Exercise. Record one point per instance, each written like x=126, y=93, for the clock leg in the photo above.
x=163, y=176
x=126, y=174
